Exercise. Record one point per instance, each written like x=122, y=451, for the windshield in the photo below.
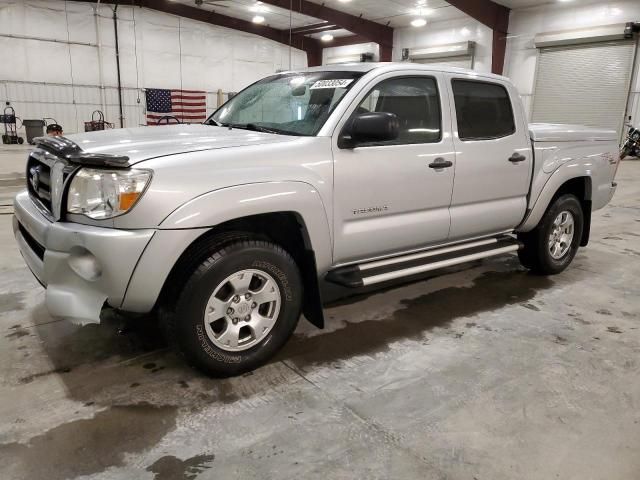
x=289, y=104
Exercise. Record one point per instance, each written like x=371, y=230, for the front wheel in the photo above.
x=552, y=245
x=239, y=307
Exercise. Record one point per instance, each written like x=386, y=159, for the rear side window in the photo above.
x=483, y=110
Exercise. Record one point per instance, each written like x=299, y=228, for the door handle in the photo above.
x=441, y=163
x=517, y=158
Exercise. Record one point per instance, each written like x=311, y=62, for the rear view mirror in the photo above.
x=299, y=91
x=371, y=127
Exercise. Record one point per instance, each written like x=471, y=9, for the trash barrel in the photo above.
x=33, y=129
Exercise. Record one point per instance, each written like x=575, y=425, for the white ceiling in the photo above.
x=395, y=13
x=513, y=4
x=246, y=9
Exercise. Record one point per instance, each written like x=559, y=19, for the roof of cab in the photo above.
x=365, y=67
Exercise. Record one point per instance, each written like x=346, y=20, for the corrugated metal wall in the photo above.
x=584, y=84
x=50, y=64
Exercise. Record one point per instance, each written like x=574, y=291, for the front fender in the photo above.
x=188, y=222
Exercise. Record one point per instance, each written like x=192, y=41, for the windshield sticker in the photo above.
x=337, y=83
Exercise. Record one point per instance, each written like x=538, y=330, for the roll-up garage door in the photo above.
x=465, y=61
x=584, y=84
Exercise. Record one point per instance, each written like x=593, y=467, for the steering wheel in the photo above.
x=167, y=119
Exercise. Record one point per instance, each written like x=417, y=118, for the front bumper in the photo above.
x=81, y=266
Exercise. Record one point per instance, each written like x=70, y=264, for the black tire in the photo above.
x=536, y=254
x=226, y=257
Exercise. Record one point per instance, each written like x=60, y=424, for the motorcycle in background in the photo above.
x=631, y=147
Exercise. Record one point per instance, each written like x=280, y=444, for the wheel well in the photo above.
x=286, y=229
x=581, y=188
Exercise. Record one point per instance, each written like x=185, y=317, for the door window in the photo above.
x=483, y=110
x=416, y=102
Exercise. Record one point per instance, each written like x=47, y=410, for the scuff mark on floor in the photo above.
x=101, y=441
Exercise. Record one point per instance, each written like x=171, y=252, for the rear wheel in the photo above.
x=238, y=308
x=552, y=245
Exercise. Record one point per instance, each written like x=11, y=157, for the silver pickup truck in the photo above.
x=354, y=175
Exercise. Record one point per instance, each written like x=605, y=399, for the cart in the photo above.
x=97, y=122
x=10, y=127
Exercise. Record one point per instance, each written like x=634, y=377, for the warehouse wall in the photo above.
x=525, y=24
x=348, y=50
x=172, y=52
x=446, y=32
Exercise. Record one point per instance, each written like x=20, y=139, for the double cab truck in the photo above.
x=355, y=175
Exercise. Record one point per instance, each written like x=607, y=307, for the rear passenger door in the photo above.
x=493, y=158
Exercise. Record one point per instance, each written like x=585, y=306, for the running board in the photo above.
x=371, y=273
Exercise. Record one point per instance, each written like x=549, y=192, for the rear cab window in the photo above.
x=483, y=110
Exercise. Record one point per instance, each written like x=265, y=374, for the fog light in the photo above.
x=85, y=264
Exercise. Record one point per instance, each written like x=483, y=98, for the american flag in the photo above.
x=188, y=106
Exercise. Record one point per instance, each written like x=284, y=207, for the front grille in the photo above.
x=39, y=181
x=32, y=242
x=42, y=180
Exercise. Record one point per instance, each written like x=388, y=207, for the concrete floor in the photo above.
x=486, y=373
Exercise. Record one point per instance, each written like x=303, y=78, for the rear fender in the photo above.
x=592, y=162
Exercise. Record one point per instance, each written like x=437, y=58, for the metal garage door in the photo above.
x=457, y=61
x=584, y=84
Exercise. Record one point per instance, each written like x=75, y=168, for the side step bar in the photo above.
x=371, y=273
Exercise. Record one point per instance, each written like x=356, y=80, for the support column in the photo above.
x=386, y=52
x=314, y=56
x=499, y=50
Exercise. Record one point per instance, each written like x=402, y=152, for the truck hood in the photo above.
x=554, y=132
x=144, y=143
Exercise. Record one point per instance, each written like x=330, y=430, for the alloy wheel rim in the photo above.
x=561, y=235
x=242, y=310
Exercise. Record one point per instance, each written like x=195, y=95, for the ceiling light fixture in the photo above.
x=327, y=37
x=418, y=22
x=258, y=19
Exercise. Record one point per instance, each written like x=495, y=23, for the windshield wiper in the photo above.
x=256, y=128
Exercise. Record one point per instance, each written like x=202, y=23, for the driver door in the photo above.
x=394, y=196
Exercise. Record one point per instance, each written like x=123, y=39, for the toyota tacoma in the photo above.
x=354, y=175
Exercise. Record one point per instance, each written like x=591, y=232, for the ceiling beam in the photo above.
x=316, y=28
x=374, y=32
x=494, y=16
x=207, y=16
x=491, y=14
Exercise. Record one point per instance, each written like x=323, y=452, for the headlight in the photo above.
x=104, y=194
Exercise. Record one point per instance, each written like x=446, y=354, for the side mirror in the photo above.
x=371, y=127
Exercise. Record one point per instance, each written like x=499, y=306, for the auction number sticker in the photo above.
x=337, y=83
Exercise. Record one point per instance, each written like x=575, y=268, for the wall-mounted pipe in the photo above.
x=115, y=30
x=43, y=39
x=96, y=17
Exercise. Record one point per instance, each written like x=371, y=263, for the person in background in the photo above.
x=54, y=130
